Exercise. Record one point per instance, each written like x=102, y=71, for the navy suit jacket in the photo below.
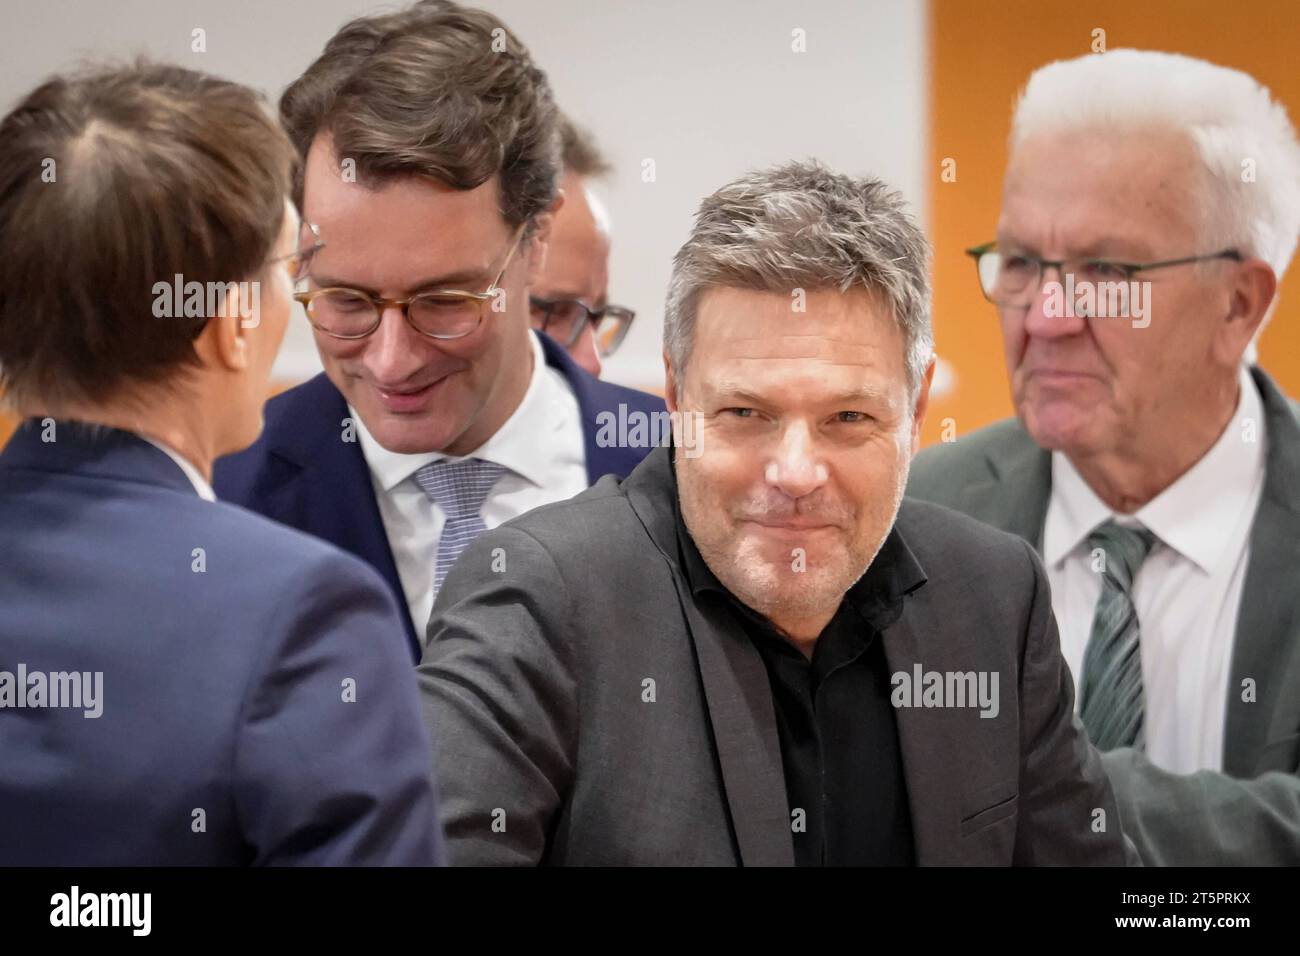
x=302, y=474
x=224, y=734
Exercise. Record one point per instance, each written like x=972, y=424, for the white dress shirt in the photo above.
x=541, y=444
x=196, y=479
x=1188, y=591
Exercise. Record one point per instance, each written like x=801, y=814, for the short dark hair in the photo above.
x=436, y=90
x=112, y=180
x=579, y=151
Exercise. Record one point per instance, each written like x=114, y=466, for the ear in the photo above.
x=224, y=338
x=539, y=242
x=670, y=385
x=1249, y=299
x=922, y=405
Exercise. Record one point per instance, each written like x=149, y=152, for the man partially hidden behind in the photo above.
x=747, y=651
x=431, y=167
x=1153, y=465
x=570, y=297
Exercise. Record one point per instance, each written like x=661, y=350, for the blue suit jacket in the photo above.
x=301, y=474
x=224, y=736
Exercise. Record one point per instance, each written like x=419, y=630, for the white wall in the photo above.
x=705, y=88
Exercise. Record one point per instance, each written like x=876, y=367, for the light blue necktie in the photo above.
x=458, y=486
x=1112, y=701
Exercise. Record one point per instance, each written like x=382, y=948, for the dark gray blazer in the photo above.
x=1250, y=813
x=549, y=748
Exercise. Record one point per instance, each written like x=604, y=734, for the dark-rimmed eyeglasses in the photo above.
x=442, y=314
x=564, y=320
x=1013, y=279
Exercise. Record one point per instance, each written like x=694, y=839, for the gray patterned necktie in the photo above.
x=1111, y=698
x=459, y=487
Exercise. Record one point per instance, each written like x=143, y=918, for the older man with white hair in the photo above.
x=1150, y=206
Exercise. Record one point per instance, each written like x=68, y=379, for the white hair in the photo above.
x=1243, y=138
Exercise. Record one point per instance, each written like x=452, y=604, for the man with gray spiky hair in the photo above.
x=1152, y=463
x=748, y=652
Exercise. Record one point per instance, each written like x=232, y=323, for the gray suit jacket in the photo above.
x=1250, y=813
x=552, y=746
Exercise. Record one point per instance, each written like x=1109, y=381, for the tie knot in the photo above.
x=459, y=486
x=1125, y=547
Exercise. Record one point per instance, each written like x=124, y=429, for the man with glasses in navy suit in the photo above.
x=440, y=413
x=570, y=300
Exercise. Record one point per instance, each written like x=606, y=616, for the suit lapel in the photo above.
x=743, y=721
x=332, y=494
x=1268, y=622
x=928, y=758
x=1015, y=497
x=736, y=688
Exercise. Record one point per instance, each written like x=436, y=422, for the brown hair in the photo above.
x=434, y=90
x=579, y=151
x=113, y=180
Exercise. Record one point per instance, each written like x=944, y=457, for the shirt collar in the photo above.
x=524, y=443
x=1191, y=514
x=196, y=478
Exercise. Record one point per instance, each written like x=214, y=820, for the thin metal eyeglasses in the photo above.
x=300, y=259
x=442, y=314
x=1014, y=279
x=564, y=320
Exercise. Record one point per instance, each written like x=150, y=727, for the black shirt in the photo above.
x=839, y=740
